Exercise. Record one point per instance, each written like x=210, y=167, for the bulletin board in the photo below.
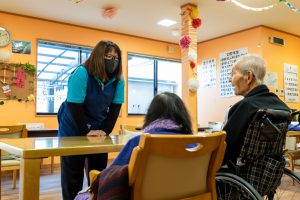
x=16, y=82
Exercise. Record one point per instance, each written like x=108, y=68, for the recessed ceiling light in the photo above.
x=166, y=22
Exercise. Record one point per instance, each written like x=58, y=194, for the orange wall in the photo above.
x=210, y=105
x=276, y=55
x=31, y=29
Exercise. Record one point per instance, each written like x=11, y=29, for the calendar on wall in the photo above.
x=227, y=59
x=208, y=75
x=291, y=93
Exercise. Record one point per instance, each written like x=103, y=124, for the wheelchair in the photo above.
x=260, y=171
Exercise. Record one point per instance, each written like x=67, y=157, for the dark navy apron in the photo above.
x=97, y=101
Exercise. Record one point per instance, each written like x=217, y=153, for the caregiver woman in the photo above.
x=94, y=99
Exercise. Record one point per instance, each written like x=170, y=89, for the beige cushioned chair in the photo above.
x=163, y=167
x=127, y=128
x=10, y=162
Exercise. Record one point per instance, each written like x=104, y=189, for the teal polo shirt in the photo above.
x=77, y=85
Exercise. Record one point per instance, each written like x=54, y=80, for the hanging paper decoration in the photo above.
x=251, y=8
x=30, y=97
x=290, y=6
x=20, y=81
x=4, y=74
x=192, y=55
x=109, y=12
x=194, y=13
x=76, y=1
x=239, y=4
x=192, y=64
x=193, y=84
x=6, y=90
x=196, y=23
x=185, y=41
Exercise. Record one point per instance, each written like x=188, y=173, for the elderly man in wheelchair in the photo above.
x=256, y=129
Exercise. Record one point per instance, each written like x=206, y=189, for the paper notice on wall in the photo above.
x=291, y=93
x=227, y=59
x=208, y=73
x=271, y=79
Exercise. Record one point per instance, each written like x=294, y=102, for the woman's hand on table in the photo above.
x=96, y=133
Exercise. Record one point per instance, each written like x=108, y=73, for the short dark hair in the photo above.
x=95, y=64
x=169, y=106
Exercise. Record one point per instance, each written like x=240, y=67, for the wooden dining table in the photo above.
x=32, y=150
x=293, y=134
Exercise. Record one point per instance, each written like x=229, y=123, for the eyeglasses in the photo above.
x=111, y=57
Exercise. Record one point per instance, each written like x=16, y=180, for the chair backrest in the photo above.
x=16, y=131
x=261, y=159
x=176, y=166
x=126, y=128
x=265, y=135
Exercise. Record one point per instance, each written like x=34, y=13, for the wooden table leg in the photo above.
x=30, y=179
x=52, y=164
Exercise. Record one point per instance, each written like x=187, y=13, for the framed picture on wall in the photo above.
x=21, y=47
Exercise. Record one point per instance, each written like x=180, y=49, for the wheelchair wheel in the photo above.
x=289, y=186
x=231, y=187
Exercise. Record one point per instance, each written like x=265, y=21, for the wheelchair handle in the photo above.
x=274, y=114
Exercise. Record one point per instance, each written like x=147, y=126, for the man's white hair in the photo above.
x=253, y=63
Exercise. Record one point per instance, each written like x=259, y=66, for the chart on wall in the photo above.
x=291, y=93
x=208, y=73
x=227, y=59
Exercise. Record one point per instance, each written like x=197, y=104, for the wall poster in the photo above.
x=227, y=59
x=208, y=75
x=271, y=79
x=291, y=93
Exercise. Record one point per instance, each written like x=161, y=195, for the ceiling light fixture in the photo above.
x=166, y=22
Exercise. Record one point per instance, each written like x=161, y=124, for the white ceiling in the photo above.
x=139, y=17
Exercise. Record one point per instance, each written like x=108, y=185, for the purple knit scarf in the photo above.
x=162, y=124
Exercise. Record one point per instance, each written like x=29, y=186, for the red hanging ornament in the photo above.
x=192, y=64
x=196, y=23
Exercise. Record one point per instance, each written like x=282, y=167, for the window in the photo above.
x=55, y=63
x=148, y=76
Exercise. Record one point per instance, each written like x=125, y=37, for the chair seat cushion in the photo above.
x=9, y=157
x=5, y=163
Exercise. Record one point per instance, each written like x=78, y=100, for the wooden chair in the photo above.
x=164, y=167
x=291, y=145
x=10, y=162
x=126, y=128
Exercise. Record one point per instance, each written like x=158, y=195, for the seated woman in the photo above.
x=166, y=114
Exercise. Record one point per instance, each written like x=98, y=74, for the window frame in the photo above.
x=65, y=46
x=155, y=74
